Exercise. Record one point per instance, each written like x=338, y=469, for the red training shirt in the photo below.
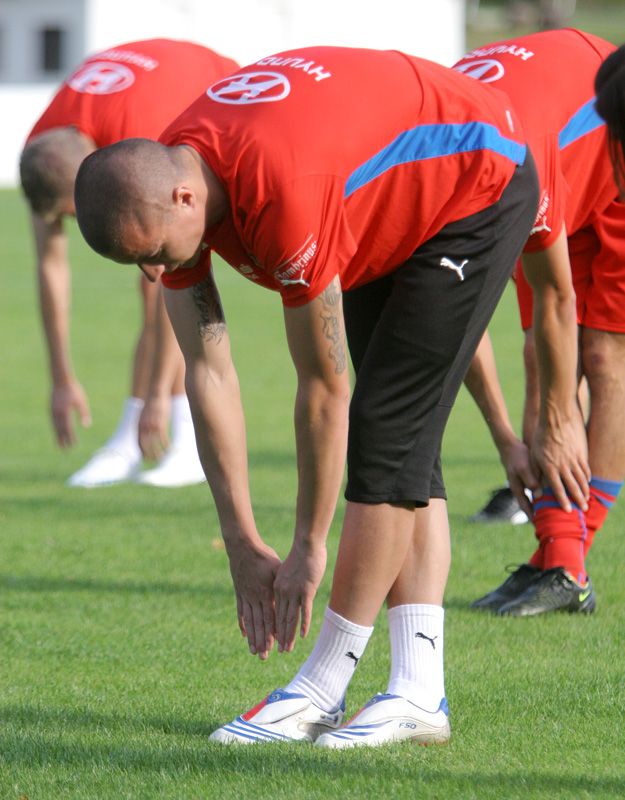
x=549, y=77
x=343, y=161
x=133, y=90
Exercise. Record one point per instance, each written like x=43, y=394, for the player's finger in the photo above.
x=291, y=620
x=64, y=429
x=270, y=625
x=149, y=445
x=259, y=646
x=282, y=607
x=575, y=489
x=84, y=414
x=64, y=441
x=582, y=474
x=144, y=445
x=248, y=624
x=240, y=619
x=518, y=490
x=61, y=436
x=306, y=612
x=559, y=492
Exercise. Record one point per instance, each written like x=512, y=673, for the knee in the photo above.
x=602, y=356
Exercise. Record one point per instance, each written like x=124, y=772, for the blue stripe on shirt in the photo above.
x=435, y=141
x=582, y=122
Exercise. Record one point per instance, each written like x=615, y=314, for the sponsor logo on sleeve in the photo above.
x=101, y=77
x=540, y=223
x=293, y=271
x=247, y=271
x=250, y=87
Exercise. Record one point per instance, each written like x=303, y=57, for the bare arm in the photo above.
x=213, y=390
x=53, y=274
x=483, y=383
x=316, y=339
x=166, y=363
x=559, y=449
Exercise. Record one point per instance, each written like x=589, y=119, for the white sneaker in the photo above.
x=389, y=718
x=107, y=466
x=281, y=717
x=176, y=468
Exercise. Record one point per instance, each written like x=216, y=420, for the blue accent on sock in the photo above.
x=538, y=504
x=609, y=487
x=605, y=503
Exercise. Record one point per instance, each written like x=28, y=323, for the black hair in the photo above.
x=610, y=105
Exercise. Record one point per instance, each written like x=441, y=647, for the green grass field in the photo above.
x=119, y=649
x=606, y=19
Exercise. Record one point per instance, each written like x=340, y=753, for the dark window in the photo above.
x=52, y=42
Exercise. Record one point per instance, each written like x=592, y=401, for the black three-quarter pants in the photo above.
x=412, y=335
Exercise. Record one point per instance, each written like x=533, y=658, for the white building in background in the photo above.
x=41, y=40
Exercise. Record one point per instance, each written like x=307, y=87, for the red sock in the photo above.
x=537, y=558
x=595, y=517
x=603, y=494
x=565, y=539
x=561, y=536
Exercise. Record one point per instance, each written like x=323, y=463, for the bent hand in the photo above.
x=153, y=427
x=253, y=569
x=560, y=458
x=67, y=399
x=516, y=460
x=295, y=588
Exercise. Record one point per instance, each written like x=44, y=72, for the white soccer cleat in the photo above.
x=389, y=718
x=107, y=466
x=176, y=468
x=281, y=717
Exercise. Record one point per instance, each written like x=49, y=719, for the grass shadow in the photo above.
x=31, y=747
x=44, y=583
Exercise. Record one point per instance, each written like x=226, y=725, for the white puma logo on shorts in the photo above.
x=457, y=268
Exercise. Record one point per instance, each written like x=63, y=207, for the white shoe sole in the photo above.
x=401, y=729
x=281, y=717
x=388, y=721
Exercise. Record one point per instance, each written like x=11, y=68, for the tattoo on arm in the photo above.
x=331, y=316
x=211, y=325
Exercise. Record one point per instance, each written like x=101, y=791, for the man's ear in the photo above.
x=183, y=196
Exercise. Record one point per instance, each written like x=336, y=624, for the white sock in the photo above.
x=126, y=436
x=182, y=432
x=326, y=673
x=417, y=673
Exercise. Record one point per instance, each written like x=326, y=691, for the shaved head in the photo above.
x=128, y=184
x=48, y=167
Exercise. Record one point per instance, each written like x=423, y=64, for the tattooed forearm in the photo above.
x=332, y=329
x=211, y=325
